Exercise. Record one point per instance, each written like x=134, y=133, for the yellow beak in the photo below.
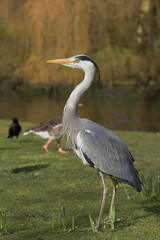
x=62, y=61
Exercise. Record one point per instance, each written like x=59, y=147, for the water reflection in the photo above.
x=116, y=108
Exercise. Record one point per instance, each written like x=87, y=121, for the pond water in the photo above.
x=118, y=108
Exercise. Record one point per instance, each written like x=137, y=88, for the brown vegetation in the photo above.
x=122, y=36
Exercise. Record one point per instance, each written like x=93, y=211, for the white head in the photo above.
x=82, y=61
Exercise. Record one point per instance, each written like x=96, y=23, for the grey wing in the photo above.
x=109, y=155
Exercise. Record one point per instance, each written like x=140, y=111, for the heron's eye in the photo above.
x=77, y=60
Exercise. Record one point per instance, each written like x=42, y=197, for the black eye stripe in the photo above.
x=87, y=58
x=84, y=58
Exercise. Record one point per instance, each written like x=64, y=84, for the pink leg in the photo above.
x=45, y=147
x=60, y=150
x=115, y=187
x=105, y=193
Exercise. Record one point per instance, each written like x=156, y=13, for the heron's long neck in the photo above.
x=77, y=93
x=70, y=109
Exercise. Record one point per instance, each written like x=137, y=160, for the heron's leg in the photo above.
x=115, y=187
x=45, y=147
x=105, y=192
x=60, y=150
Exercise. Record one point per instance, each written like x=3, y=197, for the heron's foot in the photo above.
x=99, y=223
x=60, y=150
x=45, y=148
x=96, y=227
x=104, y=221
x=109, y=219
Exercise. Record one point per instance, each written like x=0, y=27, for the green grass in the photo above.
x=45, y=196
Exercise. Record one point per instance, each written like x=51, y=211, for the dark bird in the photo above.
x=50, y=130
x=14, y=129
x=95, y=145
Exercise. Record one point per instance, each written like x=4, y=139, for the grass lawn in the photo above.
x=46, y=196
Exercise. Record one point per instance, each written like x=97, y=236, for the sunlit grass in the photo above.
x=127, y=193
x=50, y=195
x=92, y=223
x=157, y=187
x=3, y=223
x=150, y=186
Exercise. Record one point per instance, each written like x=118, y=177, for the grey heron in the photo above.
x=94, y=144
x=50, y=130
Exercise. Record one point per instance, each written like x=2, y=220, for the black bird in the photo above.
x=14, y=129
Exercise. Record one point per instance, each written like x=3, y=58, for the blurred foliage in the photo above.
x=123, y=37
